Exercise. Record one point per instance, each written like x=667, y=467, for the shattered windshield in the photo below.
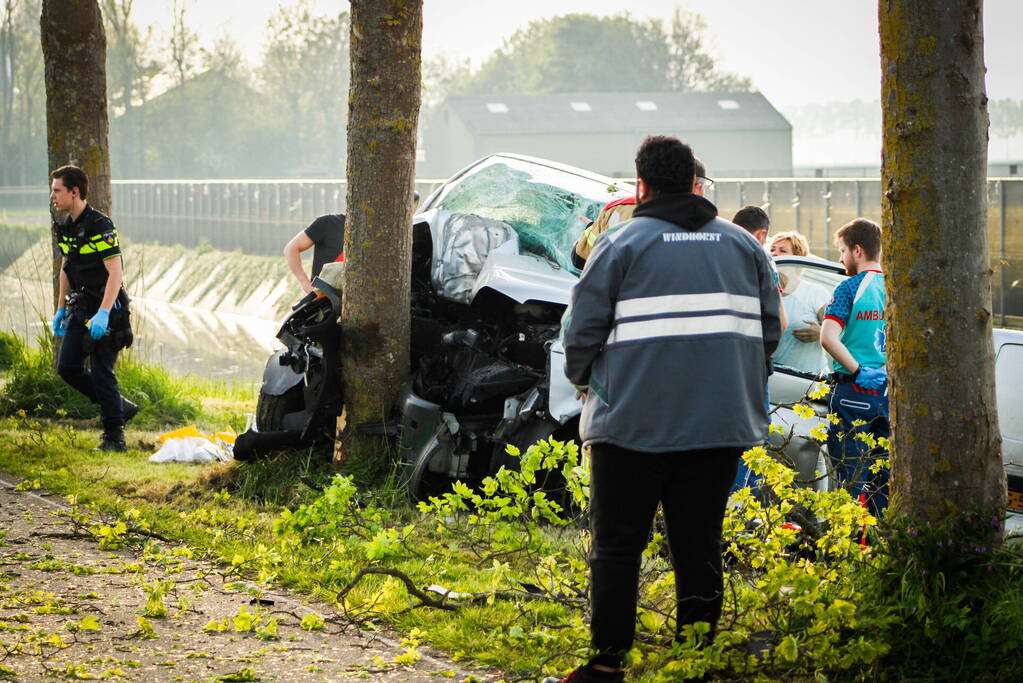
x=544, y=205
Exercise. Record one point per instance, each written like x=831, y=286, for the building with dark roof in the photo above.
x=734, y=134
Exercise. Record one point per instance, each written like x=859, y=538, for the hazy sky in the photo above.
x=796, y=51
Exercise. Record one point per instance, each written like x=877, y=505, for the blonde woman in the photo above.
x=799, y=347
x=789, y=244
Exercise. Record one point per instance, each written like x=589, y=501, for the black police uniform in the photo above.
x=86, y=243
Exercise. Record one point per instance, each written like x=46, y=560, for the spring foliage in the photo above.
x=497, y=573
x=791, y=606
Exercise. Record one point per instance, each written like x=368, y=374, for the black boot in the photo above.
x=128, y=410
x=112, y=441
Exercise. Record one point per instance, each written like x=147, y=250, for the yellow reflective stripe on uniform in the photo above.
x=591, y=237
x=96, y=248
x=102, y=237
x=99, y=243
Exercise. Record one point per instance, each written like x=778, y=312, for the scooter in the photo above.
x=301, y=392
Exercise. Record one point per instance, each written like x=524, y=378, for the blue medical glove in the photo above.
x=871, y=378
x=98, y=324
x=60, y=322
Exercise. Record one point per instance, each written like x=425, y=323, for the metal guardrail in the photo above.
x=259, y=216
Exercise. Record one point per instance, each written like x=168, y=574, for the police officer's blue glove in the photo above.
x=98, y=324
x=60, y=322
x=871, y=378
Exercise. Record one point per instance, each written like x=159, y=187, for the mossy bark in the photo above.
x=946, y=448
x=383, y=112
x=74, y=58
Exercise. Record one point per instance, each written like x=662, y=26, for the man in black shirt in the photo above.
x=326, y=235
x=92, y=313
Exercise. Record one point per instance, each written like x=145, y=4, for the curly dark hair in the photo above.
x=665, y=164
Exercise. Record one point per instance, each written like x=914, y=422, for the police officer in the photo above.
x=853, y=334
x=92, y=307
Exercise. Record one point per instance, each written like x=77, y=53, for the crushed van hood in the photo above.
x=525, y=277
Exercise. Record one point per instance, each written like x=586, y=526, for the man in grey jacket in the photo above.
x=669, y=336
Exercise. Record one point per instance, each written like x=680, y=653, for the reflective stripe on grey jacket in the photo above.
x=671, y=329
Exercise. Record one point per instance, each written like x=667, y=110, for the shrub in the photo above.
x=36, y=388
x=12, y=349
x=792, y=607
x=164, y=397
x=954, y=605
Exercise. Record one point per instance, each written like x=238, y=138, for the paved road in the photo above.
x=70, y=608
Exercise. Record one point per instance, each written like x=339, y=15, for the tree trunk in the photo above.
x=74, y=55
x=10, y=59
x=383, y=113
x=946, y=448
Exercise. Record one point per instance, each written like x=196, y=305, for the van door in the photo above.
x=800, y=362
x=1009, y=390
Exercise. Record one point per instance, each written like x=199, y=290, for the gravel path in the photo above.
x=70, y=609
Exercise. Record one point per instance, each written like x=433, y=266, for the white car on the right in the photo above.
x=800, y=363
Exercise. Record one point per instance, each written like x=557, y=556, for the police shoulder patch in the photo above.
x=110, y=238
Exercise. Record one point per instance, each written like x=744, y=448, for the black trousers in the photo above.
x=98, y=383
x=625, y=488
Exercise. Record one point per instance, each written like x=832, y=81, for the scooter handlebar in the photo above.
x=304, y=300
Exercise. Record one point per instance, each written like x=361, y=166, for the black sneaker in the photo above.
x=111, y=444
x=587, y=674
x=128, y=410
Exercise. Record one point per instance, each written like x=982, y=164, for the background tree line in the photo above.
x=179, y=109
x=864, y=117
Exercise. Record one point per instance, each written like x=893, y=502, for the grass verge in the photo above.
x=230, y=512
x=31, y=385
x=807, y=604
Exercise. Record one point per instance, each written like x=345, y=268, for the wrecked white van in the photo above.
x=798, y=366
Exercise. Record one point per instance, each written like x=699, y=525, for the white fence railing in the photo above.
x=259, y=216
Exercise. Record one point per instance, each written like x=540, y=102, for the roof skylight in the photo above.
x=581, y=106
x=646, y=105
x=497, y=107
